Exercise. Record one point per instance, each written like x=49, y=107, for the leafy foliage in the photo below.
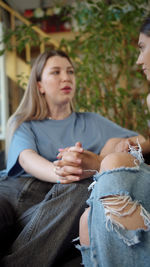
x=20, y=37
x=105, y=53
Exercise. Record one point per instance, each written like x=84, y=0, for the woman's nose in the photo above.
x=65, y=76
x=139, y=61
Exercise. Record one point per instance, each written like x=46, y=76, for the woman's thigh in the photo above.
x=23, y=192
x=16, y=196
x=51, y=225
x=7, y=222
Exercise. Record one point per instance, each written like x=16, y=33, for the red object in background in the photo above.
x=28, y=13
x=46, y=27
x=52, y=28
x=63, y=28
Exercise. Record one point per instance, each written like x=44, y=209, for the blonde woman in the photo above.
x=41, y=202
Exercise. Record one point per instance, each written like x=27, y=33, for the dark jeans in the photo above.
x=7, y=220
x=46, y=219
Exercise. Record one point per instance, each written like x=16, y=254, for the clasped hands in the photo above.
x=75, y=163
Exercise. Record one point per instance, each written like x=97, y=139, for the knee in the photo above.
x=116, y=160
x=83, y=229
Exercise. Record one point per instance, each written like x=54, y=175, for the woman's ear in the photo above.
x=40, y=88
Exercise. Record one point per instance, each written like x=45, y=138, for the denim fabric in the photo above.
x=47, y=219
x=7, y=220
x=17, y=196
x=110, y=244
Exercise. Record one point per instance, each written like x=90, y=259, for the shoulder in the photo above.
x=89, y=115
x=28, y=127
x=94, y=118
x=23, y=126
x=31, y=124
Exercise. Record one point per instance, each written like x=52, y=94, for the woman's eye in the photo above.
x=141, y=48
x=71, y=71
x=55, y=72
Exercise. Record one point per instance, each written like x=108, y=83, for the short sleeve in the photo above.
x=111, y=129
x=22, y=139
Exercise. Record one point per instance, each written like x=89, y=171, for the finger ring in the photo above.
x=58, y=182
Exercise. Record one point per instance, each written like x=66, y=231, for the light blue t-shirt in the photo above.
x=47, y=136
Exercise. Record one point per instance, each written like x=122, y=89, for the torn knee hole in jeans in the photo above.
x=126, y=217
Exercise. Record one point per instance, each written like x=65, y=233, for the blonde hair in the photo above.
x=33, y=105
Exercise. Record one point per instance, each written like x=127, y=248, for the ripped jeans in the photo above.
x=111, y=245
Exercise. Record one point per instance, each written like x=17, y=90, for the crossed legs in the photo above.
x=132, y=219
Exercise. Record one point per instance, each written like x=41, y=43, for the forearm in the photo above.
x=38, y=166
x=91, y=161
x=121, y=144
x=90, y=164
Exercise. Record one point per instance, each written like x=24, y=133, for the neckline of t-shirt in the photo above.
x=70, y=117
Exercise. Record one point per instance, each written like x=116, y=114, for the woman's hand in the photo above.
x=121, y=144
x=125, y=144
x=75, y=163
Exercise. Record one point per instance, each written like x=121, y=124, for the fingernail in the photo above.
x=60, y=149
x=56, y=169
x=55, y=162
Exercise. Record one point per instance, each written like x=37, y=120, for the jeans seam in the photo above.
x=22, y=192
x=33, y=222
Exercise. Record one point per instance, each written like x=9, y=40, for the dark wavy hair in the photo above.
x=145, y=28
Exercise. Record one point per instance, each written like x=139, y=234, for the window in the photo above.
x=3, y=92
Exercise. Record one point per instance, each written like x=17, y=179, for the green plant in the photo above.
x=23, y=34
x=22, y=80
x=105, y=52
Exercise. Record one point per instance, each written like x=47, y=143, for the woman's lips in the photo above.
x=66, y=89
